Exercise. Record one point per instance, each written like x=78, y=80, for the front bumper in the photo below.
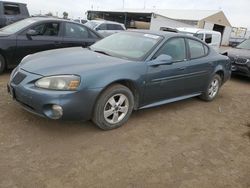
x=241, y=67
x=243, y=70
x=76, y=105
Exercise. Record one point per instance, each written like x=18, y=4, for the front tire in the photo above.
x=2, y=64
x=212, y=89
x=114, y=107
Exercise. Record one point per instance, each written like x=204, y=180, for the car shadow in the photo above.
x=86, y=128
x=61, y=127
x=247, y=134
x=6, y=73
x=241, y=78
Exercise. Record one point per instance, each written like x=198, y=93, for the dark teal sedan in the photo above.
x=121, y=73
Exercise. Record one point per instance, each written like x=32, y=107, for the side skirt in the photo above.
x=169, y=101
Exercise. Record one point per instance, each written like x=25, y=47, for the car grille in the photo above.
x=18, y=78
x=241, y=61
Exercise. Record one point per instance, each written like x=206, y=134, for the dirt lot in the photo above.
x=185, y=144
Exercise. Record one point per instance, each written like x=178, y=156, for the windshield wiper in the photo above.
x=98, y=51
x=101, y=52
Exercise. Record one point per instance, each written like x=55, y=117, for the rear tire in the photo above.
x=212, y=89
x=2, y=64
x=114, y=107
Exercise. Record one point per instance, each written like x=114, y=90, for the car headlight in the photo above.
x=61, y=82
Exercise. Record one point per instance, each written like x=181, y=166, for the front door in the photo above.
x=48, y=37
x=167, y=81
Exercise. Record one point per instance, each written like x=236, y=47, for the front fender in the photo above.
x=104, y=77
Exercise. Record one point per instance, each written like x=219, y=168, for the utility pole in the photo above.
x=123, y=4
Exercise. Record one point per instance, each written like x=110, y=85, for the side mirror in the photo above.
x=32, y=32
x=162, y=59
x=97, y=29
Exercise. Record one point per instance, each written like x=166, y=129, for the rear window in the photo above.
x=11, y=9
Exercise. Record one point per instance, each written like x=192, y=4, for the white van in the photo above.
x=212, y=38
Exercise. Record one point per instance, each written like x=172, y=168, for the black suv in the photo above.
x=11, y=12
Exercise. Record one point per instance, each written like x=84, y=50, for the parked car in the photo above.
x=121, y=73
x=212, y=38
x=82, y=21
x=11, y=12
x=105, y=28
x=38, y=34
x=240, y=57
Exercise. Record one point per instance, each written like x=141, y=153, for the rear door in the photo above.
x=199, y=66
x=78, y=35
x=49, y=37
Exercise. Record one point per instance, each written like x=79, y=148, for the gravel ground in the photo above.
x=185, y=144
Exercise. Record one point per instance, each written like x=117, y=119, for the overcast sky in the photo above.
x=236, y=10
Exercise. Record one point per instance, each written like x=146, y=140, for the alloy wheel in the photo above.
x=116, y=108
x=213, y=88
x=1, y=64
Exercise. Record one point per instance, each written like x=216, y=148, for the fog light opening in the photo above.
x=53, y=111
x=57, y=111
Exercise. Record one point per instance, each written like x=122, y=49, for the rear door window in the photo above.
x=75, y=31
x=197, y=49
x=11, y=9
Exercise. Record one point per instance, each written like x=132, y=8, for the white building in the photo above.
x=206, y=19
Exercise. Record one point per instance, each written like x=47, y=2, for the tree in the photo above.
x=49, y=14
x=65, y=15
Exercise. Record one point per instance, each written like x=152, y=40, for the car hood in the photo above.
x=239, y=52
x=67, y=61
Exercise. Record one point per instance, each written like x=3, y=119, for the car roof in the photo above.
x=48, y=18
x=197, y=30
x=164, y=34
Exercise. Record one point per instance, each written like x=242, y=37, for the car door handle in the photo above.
x=182, y=68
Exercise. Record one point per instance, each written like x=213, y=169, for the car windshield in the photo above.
x=15, y=27
x=127, y=45
x=91, y=24
x=244, y=45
